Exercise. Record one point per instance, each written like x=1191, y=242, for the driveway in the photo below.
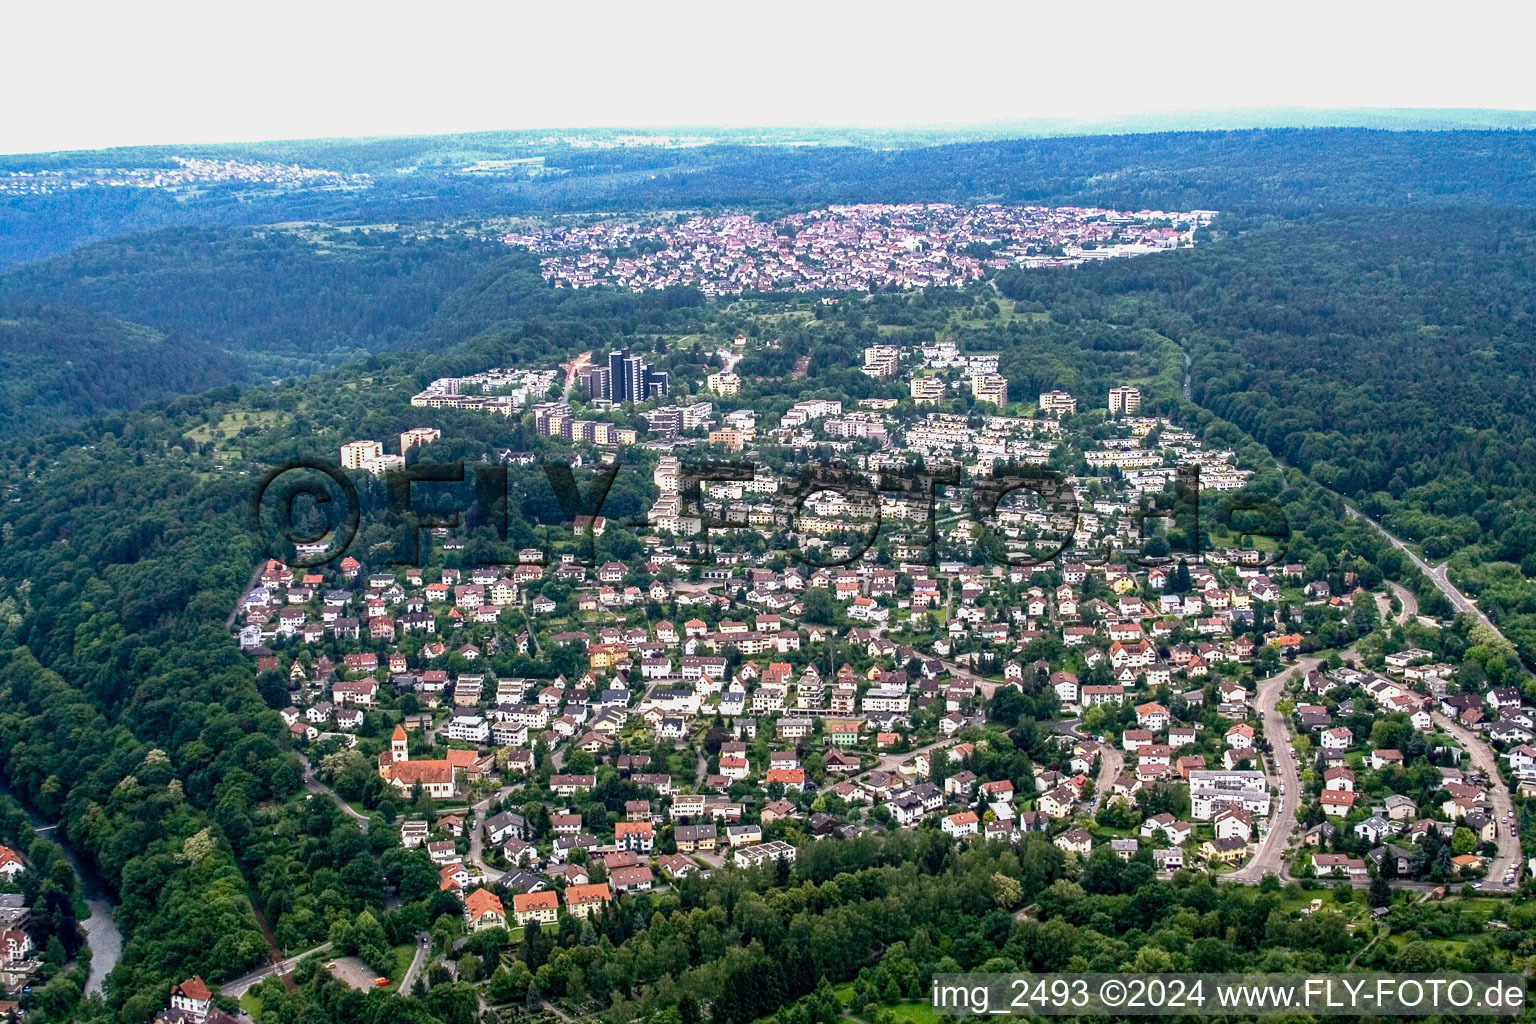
x=243, y=984
x=423, y=948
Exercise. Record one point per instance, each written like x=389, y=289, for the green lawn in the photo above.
x=1291, y=902
x=915, y=1011
x=918, y=1011
x=403, y=956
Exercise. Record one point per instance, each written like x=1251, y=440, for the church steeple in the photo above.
x=399, y=746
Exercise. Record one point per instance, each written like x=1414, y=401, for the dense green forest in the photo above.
x=61, y=365
x=286, y=302
x=1390, y=354
x=1278, y=168
x=186, y=309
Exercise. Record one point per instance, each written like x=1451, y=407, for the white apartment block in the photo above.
x=724, y=384
x=1057, y=403
x=1209, y=790
x=1124, y=401
x=928, y=390
x=990, y=387
x=418, y=435
x=355, y=453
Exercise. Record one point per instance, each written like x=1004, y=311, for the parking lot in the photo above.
x=354, y=972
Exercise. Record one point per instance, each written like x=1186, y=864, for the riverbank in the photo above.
x=100, y=926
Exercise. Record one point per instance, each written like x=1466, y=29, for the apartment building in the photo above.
x=990, y=387
x=1124, y=401
x=928, y=390
x=1057, y=403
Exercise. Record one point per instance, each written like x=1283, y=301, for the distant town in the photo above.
x=860, y=248
x=187, y=171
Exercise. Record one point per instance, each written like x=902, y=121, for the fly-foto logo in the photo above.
x=308, y=512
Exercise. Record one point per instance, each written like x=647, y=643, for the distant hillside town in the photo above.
x=873, y=246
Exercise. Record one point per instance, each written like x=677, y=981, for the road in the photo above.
x=423, y=949
x=1488, y=763
x=229, y=623
x=476, y=825
x=319, y=788
x=960, y=674
x=1111, y=764
x=1270, y=858
x=1437, y=574
x=892, y=762
x=1407, y=599
x=573, y=370
x=243, y=984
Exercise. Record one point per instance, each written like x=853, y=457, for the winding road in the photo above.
x=1437, y=574
x=315, y=786
x=1270, y=857
x=1407, y=599
x=1503, y=805
x=477, y=832
x=893, y=761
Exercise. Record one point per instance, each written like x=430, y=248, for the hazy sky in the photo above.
x=114, y=72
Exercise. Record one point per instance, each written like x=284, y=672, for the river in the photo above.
x=101, y=932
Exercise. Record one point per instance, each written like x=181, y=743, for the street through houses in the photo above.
x=1270, y=858
x=1503, y=805
x=1284, y=770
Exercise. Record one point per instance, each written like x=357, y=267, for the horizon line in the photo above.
x=1055, y=126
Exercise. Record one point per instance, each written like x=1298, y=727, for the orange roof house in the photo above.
x=788, y=776
x=483, y=910
x=535, y=906
x=583, y=900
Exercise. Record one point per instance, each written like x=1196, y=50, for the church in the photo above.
x=435, y=777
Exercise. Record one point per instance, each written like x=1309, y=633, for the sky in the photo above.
x=96, y=73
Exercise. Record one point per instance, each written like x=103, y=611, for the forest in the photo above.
x=284, y=303
x=1389, y=354
x=61, y=365
x=1268, y=169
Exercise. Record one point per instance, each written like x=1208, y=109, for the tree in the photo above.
x=1005, y=891
x=510, y=983
x=818, y=607
x=1463, y=841
x=1381, y=891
